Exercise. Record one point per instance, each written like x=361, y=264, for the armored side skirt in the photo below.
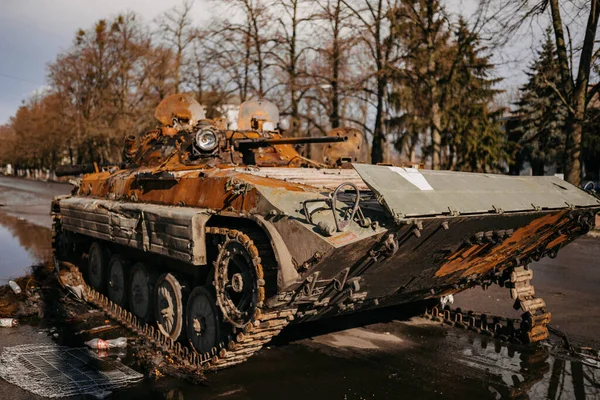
x=176, y=232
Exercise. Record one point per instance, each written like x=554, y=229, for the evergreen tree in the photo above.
x=419, y=81
x=541, y=115
x=443, y=93
x=473, y=136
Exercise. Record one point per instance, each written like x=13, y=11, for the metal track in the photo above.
x=238, y=347
x=531, y=328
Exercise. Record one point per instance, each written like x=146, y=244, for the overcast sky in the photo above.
x=33, y=32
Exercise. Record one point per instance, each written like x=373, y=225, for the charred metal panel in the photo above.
x=286, y=273
x=176, y=232
x=409, y=192
x=448, y=255
x=317, y=178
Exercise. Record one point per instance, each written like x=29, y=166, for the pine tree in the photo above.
x=420, y=80
x=473, y=136
x=444, y=91
x=540, y=113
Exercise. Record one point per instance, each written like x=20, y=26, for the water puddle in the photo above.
x=534, y=372
x=21, y=246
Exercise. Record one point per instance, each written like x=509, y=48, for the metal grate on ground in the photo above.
x=58, y=371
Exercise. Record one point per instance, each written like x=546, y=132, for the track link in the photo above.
x=531, y=328
x=238, y=347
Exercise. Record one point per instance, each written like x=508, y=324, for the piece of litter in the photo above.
x=55, y=335
x=63, y=371
x=100, y=344
x=591, y=362
x=8, y=322
x=15, y=287
x=76, y=290
x=97, y=329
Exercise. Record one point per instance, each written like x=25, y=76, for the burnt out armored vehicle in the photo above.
x=210, y=240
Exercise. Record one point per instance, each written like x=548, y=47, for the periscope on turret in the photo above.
x=219, y=238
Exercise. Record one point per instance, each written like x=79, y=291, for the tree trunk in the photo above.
x=379, y=142
x=573, y=146
x=561, y=49
x=334, y=116
x=577, y=98
x=436, y=137
x=378, y=151
x=436, y=118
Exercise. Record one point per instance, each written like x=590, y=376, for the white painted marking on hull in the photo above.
x=414, y=176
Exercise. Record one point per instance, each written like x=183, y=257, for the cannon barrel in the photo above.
x=263, y=142
x=77, y=169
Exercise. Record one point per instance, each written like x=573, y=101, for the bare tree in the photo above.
x=575, y=89
x=374, y=21
x=329, y=75
x=290, y=54
x=255, y=32
x=177, y=31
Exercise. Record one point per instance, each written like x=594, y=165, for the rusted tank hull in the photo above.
x=266, y=247
x=447, y=256
x=439, y=256
x=209, y=240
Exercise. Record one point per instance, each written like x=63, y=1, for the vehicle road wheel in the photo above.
x=202, y=320
x=141, y=292
x=168, y=306
x=238, y=274
x=96, y=266
x=116, y=282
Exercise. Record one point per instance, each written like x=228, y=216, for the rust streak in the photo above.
x=522, y=241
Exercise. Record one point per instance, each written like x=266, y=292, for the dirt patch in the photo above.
x=25, y=304
x=419, y=321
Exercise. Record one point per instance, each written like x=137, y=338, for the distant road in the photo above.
x=30, y=199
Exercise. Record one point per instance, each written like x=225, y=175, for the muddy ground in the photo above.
x=383, y=354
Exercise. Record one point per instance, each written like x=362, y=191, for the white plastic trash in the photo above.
x=8, y=322
x=15, y=287
x=100, y=344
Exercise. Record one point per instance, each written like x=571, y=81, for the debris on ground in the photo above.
x=8, y=322
x=21, y=296
x=57, y=306
x=98, y=329
x=58, y=371
x=100, y=344
x=15, y=287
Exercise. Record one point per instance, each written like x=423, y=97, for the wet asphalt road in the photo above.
x=382, y=355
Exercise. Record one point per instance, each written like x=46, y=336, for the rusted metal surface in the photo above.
x=256, y=114
x=330, y=240
x=182, y=108
x=174, y=232
x=350, y=151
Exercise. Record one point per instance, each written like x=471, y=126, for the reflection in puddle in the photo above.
x=531, y=373
x=21, y=245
